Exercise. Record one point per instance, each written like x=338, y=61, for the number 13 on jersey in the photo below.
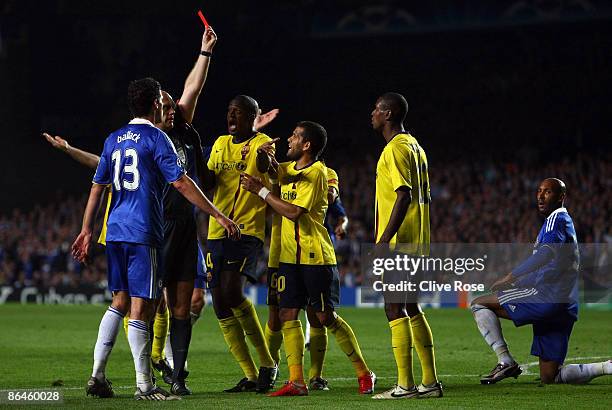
x=130, y=174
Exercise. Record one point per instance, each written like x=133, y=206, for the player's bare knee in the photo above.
x=326, y=318
x=395, y=311
x=288, y=314
x=121, y=302
x=413, y=309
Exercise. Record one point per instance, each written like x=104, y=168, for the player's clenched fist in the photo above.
x=209, y=39
x=251, y=183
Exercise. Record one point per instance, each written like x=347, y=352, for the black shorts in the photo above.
x=180, y=251
x=313, y=285
x=224, y=255
x=272, y=298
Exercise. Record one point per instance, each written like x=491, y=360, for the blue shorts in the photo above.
x=200, y=280
x=133, y=267
x=552, y=322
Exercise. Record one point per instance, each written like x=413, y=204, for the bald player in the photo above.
x=542, y=291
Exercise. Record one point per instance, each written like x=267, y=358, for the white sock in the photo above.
x=107, y=334
x=490, y=329
x=583, y=373
x=307, y=333
x=194, y=318
x=168, y=351
x=140, y=344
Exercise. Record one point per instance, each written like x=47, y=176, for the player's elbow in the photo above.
x=294, y=213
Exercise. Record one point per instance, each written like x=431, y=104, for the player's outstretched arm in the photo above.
x=80, y=247
x=400, y=207
x=197, y=77
x=83, y=157
x=286, y=209
x=264, y=119
x=190, y=190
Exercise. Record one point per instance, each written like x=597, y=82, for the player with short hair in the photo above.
x=230, y=264
x=307, y=273
x=542, y=291
x=315, y=337
x=179, y=254
x=137, y=161
x=402, y=225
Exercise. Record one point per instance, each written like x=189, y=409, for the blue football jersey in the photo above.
x=557, y=281
x=138, y=161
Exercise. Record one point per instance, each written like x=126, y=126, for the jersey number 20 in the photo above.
x=131, y=156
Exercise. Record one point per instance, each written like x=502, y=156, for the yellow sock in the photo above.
x=126, y=319
x=348, y=343
x=274, y=340
x=234, y=337
x=318, y=348
x=423, y=343
x=247, y=316
x=401, y=341
x=294, y=349
x=160, y=332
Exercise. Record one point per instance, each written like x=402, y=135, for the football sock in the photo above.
x=194, y=317
x=234, y=337
x=126, y=319
x=168, y=351
x=422, y=340
x=160, y=333
x=583, y=373
x=490, y=328
x=401, y=341
x=307, y=332
x=318, y=348
x=294, y=349
x=274, y=340
x=348, y=343
x=247, y=316
x=180, y=334
x=140, y=345
x=107, y=334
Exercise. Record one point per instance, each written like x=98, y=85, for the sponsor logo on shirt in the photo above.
x=230, y=166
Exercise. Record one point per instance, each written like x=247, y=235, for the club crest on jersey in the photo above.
x=244, y=151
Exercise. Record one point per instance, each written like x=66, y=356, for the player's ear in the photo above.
x=306, y=146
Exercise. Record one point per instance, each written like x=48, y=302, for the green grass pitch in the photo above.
x=42, y=344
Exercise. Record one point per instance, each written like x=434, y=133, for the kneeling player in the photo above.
x=307, y=271
x=542, y=291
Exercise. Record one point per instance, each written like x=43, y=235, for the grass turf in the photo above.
x=41, y=344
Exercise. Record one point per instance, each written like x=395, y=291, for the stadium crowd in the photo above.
x=478, y=202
